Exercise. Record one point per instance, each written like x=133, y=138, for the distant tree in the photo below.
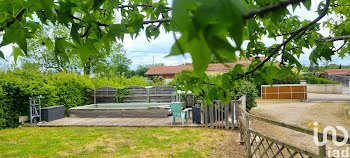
x=115, y=64
x=339, y=66
x=142, y=69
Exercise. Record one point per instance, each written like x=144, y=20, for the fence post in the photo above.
x=321, y=149
x=94, y=96
x=249, y=150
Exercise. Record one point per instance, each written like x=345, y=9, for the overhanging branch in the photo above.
x=338, y=38
x=278, y=47
x=274, y=7
x=17, y=18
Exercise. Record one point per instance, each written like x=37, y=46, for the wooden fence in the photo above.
x=103, y=95
x=218, y=115
x=284, y=91
x=259, y=145
x=138, y=94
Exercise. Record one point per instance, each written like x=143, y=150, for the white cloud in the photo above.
x=142, y=52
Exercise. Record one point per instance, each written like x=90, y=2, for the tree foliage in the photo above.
x=202, y=28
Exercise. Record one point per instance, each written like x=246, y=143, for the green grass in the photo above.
x=112, y=142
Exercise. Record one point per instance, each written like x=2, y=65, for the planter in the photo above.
x=52, y=113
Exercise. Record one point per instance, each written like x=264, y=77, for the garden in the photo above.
x=60, y=53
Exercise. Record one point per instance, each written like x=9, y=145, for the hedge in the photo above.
x=318, y=80
x=68, y=89
x=246, y=88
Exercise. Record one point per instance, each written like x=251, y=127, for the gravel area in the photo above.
x=302, y=114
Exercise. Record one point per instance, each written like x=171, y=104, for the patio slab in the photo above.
x=123, y=122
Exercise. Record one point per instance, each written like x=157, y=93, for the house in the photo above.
x=169, y=72
x=343, y=72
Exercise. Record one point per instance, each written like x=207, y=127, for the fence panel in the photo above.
x=104, y=95
x=138, y=94
x=259, y=145
x=218, y=114
x=284, y=91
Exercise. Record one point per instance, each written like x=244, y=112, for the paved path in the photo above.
x=127, y=122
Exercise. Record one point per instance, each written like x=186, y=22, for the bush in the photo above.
x=318, y=80
x=248, y=89
x=290, y=79
x=71, y=89
x=68, y=89
x=120, y=93
x=119, y=81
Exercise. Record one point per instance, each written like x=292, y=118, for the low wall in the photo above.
x=341, y=78
x=325, y=88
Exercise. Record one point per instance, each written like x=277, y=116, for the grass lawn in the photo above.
x=119, y=142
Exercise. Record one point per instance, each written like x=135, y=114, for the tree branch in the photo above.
x=144, y=22
x=278, y=47
x=338, y=38
x=86, y=32
x=342, y=46
x=17, y=18
x=141, y=5
x=282, y=4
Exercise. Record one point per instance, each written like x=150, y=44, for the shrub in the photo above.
x=248, y=89
x=119, y=81
x=71, y=89
x=318, y=80
x=68, y=89
x=290, y=79
x=120, y=93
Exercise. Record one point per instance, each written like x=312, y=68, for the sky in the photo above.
x=141, y=51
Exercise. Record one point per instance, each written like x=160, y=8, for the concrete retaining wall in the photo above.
x=325, y=88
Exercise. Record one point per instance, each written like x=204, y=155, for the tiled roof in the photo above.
x=161, y=70
x=338, y=71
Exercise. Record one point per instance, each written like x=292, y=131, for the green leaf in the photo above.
x=200, y=53
x=60, y=48
x=320, y=7
x=47, y=42
x=116, y=30
x=85, y=51
x=34, y=26
x=16, y=51
x=159, y=9
x=237, y=70
x=16, y=34
x=307, y=4
x=2, y=55
x=321, y=52
x=97, y=3
x=152, y=31
x=293, y=60
x=236, y=30
x=212, y=92
x=178, y=47
x=49, y=10
x=74, y=32
x=221, y=47
x=181, y=19
x=111, y=4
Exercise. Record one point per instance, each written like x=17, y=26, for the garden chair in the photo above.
x=177, y=112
